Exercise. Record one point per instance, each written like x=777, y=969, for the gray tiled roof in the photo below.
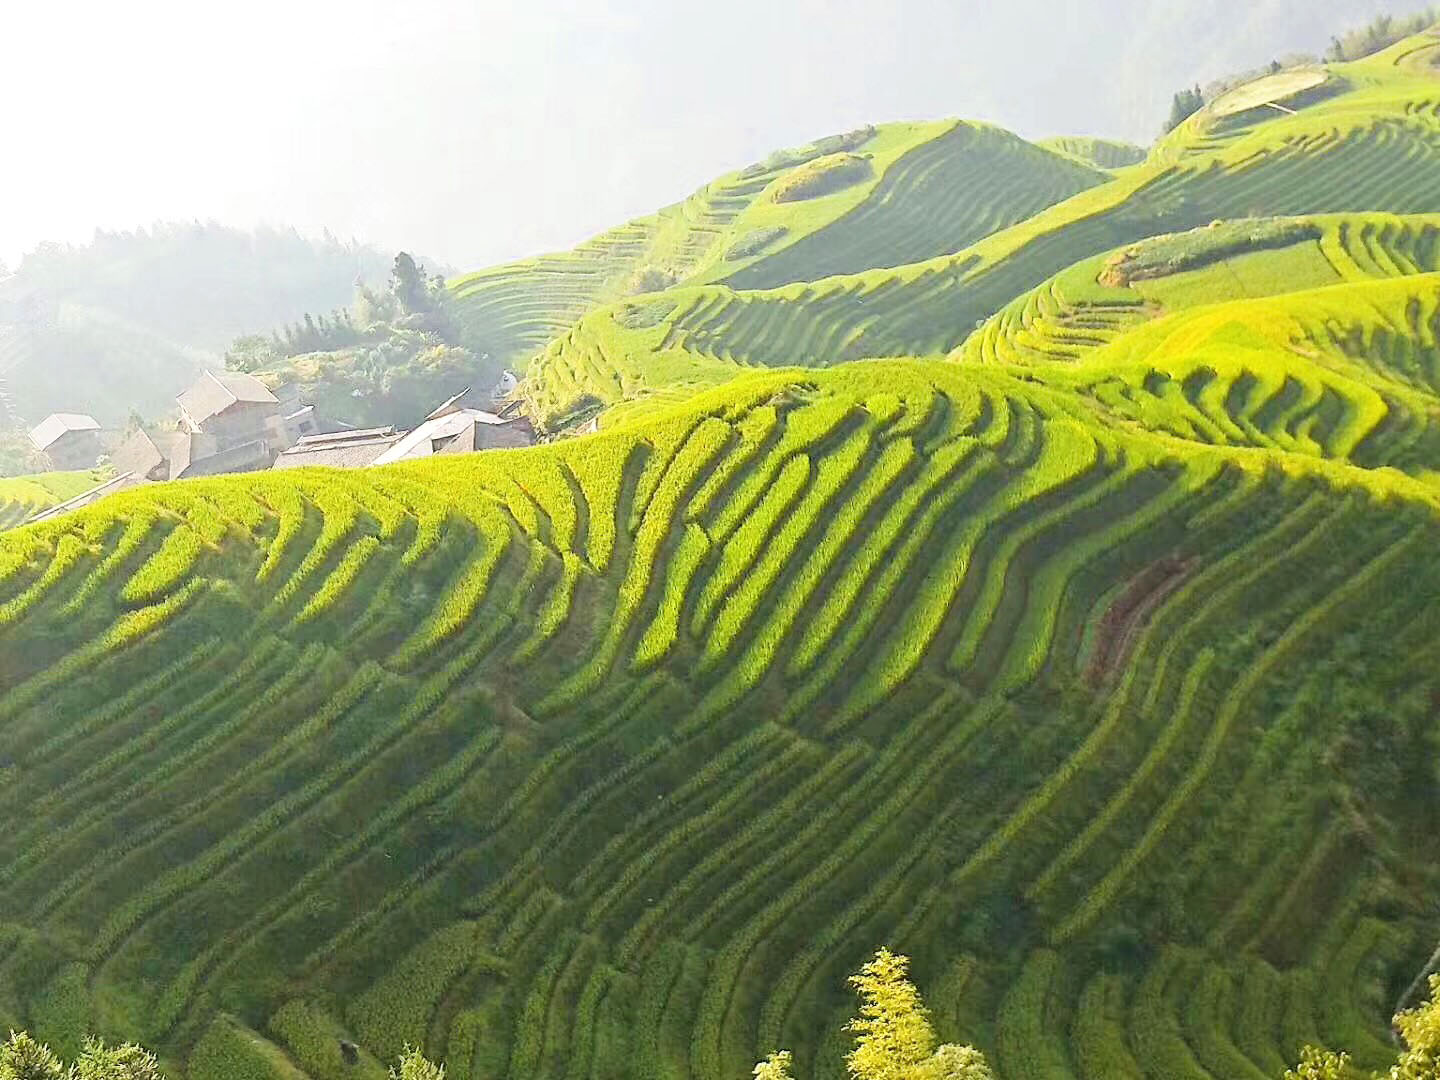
x=347, y=454
x=213, y=394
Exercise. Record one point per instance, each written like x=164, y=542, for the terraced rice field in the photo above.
x=939, y=187
x=23, y=496
x=1102, y=153
x=1268, y=90
x=652, y=346
x=511, y=311
x=1082, y=647
x=631, y=747
x=1374, y=146
x=947, y=192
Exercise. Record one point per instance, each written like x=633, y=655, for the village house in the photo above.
x=450, y=429
x=229, y=422
x=455, y=429
x=70, y=440
x=236, y=410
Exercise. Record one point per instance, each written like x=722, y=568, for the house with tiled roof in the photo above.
x=70, y=440
x=232, y=406
x=454, y=428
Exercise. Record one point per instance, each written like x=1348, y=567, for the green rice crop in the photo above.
x=1086, y=656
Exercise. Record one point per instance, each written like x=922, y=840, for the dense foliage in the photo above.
x=1382, y=31
x=18, y=455
x=23, y=1058
x=1185, y=104
x=388, y=358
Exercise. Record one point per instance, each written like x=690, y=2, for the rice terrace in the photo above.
x=1019, y=556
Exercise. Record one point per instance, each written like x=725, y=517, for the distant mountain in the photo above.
x=123, y=323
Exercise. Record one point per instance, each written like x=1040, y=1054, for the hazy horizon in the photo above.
x=480, y=133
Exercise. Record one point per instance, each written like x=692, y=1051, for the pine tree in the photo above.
x=416, y=1066
x=774, y=1067
x=892, y=1032
x=22, y=1058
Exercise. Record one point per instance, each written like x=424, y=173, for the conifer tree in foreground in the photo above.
x=893, y=1036
x=416, y=1066
x=23, y=1058
x=1419, y=1030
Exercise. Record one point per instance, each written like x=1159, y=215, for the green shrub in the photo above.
x=62, y=1014
x=230, y=1051
x=754, y=242
x=1212, y=243
x=823, y=176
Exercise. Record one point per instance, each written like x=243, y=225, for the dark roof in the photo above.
x=243, y=458
x=140, y=455
x=342, y=449
x=213, y=394
x=449, y=406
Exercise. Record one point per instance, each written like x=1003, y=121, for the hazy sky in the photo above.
x=477, y=132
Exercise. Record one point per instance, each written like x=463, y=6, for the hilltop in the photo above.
x=1018, y=556
x=1362, y=138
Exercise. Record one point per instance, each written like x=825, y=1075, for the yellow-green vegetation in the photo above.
x=24, y=1058
x=228, y=1049
x=910, y=191
x=823, y=176
x=1059, y=611
x=22, y=497
x=894, y=1036
x=1016, y=666
x=1419, y=1057
x=1102, y=153
x=1369, y=141
x=1268, y=91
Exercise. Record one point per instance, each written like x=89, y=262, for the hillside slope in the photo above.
x=1368, y=139
x=871, y=198
x=22, y=496
x=1082, y=647
x=632, y=746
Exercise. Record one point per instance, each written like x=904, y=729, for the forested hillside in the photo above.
x=122, y=324
x=1021, y=557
